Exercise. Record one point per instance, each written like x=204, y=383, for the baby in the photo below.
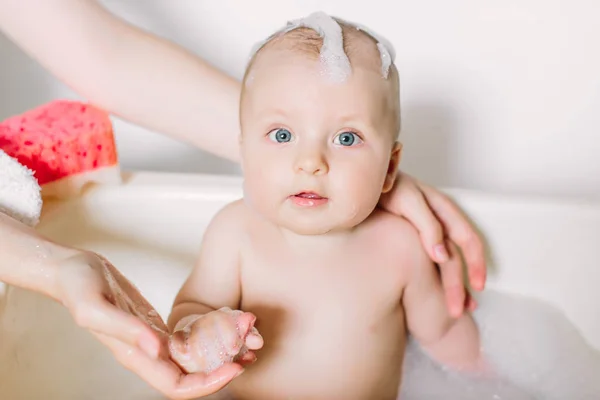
x=333, y=284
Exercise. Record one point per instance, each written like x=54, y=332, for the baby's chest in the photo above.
x=327, y=281
x=317, y=317
x=318, y=295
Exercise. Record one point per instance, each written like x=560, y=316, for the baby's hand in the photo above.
x=203, y=343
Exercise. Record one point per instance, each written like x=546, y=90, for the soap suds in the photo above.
x=334, y=60
x=535, y=350
x=201, y=351
x=386, y=49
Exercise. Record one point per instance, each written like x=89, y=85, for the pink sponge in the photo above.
x=66, y=143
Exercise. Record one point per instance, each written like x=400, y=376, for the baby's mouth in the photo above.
x=308, y=199
x=309, y=195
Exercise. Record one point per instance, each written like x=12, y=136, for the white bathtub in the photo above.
x=151, y=227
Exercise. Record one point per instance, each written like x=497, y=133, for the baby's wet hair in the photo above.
x=356, y=43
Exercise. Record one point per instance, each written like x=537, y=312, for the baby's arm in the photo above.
x=214, y=282
x=208, y=330
x=452, y=341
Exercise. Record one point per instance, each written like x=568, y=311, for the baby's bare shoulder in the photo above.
x=393, y=228
x=233, y=219
x=395, y=235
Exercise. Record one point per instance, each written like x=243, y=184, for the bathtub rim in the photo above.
x=228, y=187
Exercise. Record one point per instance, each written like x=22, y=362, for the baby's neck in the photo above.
x=316, y=243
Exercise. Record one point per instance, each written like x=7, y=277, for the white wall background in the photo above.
x=500, y=95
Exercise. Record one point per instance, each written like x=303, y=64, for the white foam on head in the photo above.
x=335, y=62
x=385, y=47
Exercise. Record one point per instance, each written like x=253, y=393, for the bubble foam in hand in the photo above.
x=203, y=343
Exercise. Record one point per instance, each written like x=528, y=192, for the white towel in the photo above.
x=20, y=193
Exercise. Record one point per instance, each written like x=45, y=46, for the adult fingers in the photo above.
x=452, y=281
x=164, y=375
x=471, y=303
x=414, y=207
x=128, y=297
x=460, y=231
x=100, y=316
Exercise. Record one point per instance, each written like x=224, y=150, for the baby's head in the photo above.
x=319, y=123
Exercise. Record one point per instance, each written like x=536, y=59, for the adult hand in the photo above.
x=104, y=302
x=443, y=230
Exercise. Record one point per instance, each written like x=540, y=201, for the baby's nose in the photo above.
x=313, y=163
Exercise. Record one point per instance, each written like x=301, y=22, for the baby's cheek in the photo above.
x=360, y=194
x=263, y=194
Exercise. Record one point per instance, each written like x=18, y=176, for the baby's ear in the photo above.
x=392, y=171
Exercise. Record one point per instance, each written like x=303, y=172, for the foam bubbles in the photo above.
x=335, y=63
x=536, y=351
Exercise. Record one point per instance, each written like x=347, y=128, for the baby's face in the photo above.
x=316, y=155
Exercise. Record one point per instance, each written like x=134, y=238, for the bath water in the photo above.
x=536, y=351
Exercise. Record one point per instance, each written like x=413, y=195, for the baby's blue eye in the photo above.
x=280, y=135
x=347, y=139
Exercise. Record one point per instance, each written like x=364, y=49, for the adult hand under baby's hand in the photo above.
x=104, y=302
x=203, y=343
x=443, y=228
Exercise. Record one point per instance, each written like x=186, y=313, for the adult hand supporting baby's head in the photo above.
x=104, y=302
x=443, y=229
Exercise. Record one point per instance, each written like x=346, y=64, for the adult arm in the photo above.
x=161, y=86
x=443, y=230
x=104, y=302
x=138, y=76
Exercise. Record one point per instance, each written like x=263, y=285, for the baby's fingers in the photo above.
x=245, y=322
x=254, y=340
x=225, y=335
x=179, y=351
x=247, y=358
